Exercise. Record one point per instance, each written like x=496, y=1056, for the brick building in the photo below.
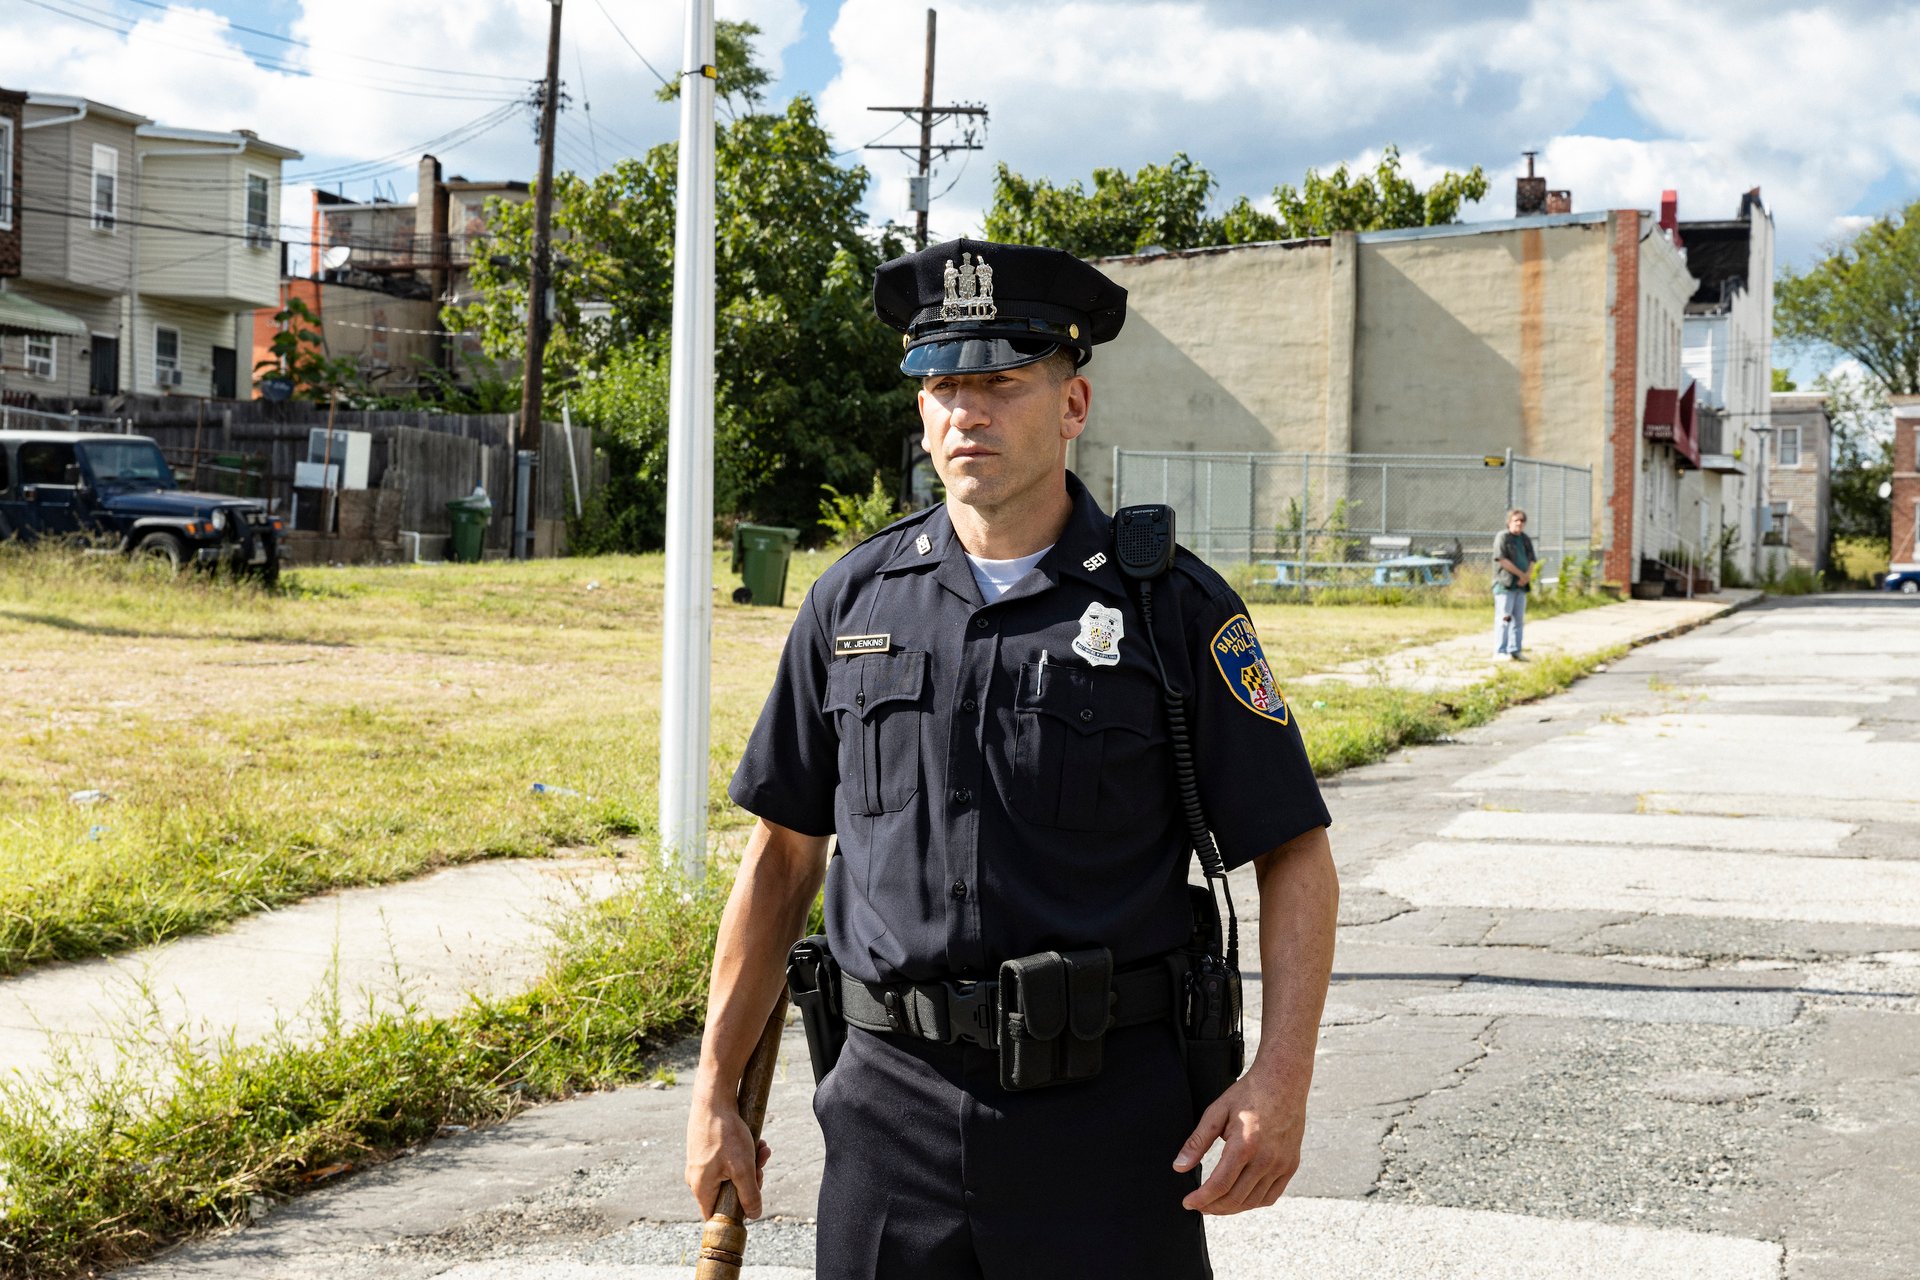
x=1799, y=479
x=1906, y=479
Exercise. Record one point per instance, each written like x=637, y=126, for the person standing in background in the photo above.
x=1513, y=564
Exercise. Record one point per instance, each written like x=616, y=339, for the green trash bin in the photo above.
x=470, y=515
x=760, y=556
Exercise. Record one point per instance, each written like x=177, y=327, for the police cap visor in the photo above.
x=977, y=355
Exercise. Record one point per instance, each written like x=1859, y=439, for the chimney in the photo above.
x=1670, y=215
x=1559, y=202
x=1530, y=193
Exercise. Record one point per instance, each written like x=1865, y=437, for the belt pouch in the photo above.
x=1055, y=1008
x=813, y=983
x=1211, y=1029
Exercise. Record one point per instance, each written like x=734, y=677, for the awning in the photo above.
x=20, y=312
x=1669, y=419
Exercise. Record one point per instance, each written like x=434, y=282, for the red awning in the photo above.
x=1670, y=419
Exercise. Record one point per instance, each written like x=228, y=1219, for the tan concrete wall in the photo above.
x=1221, y=351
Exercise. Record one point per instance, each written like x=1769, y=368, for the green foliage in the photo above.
x=807, y=383
x=1862, y=458
x=1863, y=298
x=1782, y=382
x=737, y=75
x=300, y=355
x=1165, y=206
x=849, y=519
x=1383, y=199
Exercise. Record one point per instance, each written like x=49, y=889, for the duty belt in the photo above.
x=948, y=1012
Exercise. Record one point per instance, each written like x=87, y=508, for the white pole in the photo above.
x=688, y=616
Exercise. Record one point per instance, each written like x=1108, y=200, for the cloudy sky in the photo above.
x=1818, y=104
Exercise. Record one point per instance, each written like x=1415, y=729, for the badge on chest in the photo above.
x=1101, y=630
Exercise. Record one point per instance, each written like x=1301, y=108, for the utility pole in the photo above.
x=687, y=618
x=538, y=321
x=929, y=115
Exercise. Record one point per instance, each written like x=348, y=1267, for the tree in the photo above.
x=808, y=388
x=1377, y=201
x=1165, y=206
x=1863, y=299
x=299, y=357
x=1782, y=381
x=1862, y=457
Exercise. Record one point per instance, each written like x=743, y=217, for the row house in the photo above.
x=1556, y=335
x=1728, y=352
x=383, y=269
x=1905, y=482
x=1799, y=502
x=145, y=250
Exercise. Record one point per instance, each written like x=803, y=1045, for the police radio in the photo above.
x=1210, y=1017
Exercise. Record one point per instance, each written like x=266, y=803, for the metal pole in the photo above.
x=688, y=615
x=573, y=461
x=1306, y=500
x=538, y=321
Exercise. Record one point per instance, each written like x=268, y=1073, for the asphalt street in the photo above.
x=1626, y=987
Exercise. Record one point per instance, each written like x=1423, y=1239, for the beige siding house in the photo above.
x=157, y=243
x=1543, y=335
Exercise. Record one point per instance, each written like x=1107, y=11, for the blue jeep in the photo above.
x=120, y=491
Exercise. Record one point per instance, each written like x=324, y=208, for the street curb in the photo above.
x=1727, y=610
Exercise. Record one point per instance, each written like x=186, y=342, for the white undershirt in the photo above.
x=996, y=576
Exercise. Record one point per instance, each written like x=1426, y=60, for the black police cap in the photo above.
x=973, y=306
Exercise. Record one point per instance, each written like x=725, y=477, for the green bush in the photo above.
x=850, y=519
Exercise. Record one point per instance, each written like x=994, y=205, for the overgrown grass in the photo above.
x=109, y=1168
x=105, y=1169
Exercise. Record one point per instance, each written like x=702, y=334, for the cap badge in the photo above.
x=969, y=290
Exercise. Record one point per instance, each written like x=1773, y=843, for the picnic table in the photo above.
x=1396, y=571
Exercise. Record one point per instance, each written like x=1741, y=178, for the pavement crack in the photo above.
x=1393, y=1142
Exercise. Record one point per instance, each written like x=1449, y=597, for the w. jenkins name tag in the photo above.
x=848, y=646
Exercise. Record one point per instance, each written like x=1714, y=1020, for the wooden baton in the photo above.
x=723, y=1241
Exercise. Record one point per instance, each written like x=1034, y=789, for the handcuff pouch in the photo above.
x=1055, y=1010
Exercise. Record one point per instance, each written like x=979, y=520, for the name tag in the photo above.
x=848, y=646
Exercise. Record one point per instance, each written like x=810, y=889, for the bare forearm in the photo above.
x=1299, y=906
x=778, y=878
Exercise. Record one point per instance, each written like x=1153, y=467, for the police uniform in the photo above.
x=1000, y=781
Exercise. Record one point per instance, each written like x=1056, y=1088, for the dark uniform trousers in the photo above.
x=934, y=1172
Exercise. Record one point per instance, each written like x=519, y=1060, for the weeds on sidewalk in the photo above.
x=103, y=1168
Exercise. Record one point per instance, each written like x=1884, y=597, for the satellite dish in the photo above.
x=336, y=257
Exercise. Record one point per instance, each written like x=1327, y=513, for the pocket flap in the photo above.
x=1089, y=992
x=1088, y=701
x=1041, y=980
x=872, y=680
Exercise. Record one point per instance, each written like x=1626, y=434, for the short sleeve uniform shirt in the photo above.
x=999, y=776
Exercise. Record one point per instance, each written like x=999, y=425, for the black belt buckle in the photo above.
x=972, y=1013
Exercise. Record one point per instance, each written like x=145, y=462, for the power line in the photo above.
x=664, y=82
x=586, y=102
x=304, y=44
x=271, y=64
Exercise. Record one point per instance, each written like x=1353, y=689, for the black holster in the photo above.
x=1211, y=1033
x=813, y=983
x=1055, y=1010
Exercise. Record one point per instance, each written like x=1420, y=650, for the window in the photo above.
x=46, y=462
x=166, y=357
x=40, y=363
x=6, y=175
x=1777, y=514
x=1789, y=438
x=259, y=236
x=106, y=186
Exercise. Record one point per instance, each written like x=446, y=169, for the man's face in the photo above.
x=997, y=438
x=1516, y=524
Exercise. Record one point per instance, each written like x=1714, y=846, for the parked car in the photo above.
x=119, y=489
x=1904, y=578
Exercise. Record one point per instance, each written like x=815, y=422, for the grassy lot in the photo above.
x=365, y=725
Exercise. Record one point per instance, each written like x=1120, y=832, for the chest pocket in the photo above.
x=1089, y=753
x=878, y=700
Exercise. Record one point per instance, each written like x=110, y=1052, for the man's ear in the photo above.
x=1074, y=406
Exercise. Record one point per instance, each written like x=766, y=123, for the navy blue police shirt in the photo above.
x=999, y=776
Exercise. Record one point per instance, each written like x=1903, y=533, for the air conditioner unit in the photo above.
x=167, y=376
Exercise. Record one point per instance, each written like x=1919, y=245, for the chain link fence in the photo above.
x=1320, y=519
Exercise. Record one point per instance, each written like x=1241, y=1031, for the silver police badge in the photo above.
x=969, y=290
x=1101, y=630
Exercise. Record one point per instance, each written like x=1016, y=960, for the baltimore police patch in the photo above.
x=1236, y=651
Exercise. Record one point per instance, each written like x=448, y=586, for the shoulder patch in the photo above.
x=1236, y=652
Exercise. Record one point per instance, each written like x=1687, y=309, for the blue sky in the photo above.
x=1816, y=103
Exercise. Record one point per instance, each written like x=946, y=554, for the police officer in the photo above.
x=968, y=703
